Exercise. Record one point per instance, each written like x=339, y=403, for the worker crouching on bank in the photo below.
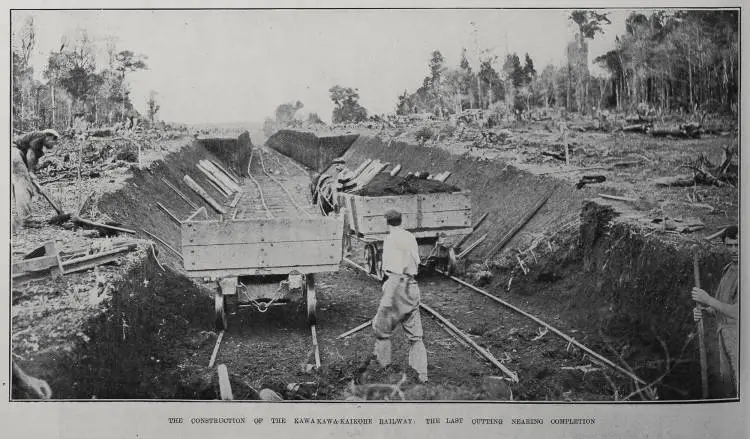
x=24, y=156
x=401, y=298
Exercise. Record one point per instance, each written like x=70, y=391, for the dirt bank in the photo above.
x=310, y=149
x=597, y=265
x=134, y=205
x=146, y=331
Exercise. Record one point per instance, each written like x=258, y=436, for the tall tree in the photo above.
x=126, y=62
x=529, y=72
x=152, y=106
x=589, y=23
x=347, y=107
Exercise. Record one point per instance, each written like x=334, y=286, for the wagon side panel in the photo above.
x=250, y=247
x=419, y=212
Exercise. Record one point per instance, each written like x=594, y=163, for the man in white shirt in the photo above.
x=400, y=301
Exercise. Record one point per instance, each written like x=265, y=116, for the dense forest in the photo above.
x=74, y=87
x=669, y=60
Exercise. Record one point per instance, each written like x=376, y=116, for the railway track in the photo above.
x=275, y=188
x=465, y=340
x=269, y=193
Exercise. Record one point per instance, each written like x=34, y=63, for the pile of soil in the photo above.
x=152, y=342
x=384, y=185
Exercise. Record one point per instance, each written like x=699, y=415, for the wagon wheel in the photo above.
x=311, y=301
x=220, y=319
x=371, y=255
x=378, y=269
x=231, y=304
x=452, y=261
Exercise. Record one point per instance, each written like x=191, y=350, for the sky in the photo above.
x=227, y=66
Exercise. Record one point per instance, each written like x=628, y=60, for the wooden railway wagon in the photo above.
x=435, y=219
x=262, y=262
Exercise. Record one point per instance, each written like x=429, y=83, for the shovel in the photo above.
x=701, y=340
x=63, y=216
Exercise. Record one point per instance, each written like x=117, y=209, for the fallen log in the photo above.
x=675, y=181
x=678, y=131
x=638, y=128
x=590, y=179
x=555, y=155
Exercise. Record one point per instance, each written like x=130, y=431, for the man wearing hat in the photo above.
x=400, y=301
x=33, y=145
x=725, y=306
x=25, y=155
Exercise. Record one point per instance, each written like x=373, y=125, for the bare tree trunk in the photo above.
x=690, y=79
x=52, y=89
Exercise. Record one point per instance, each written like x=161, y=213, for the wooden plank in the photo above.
x=259, y=255
x=264, y=271
x=193, y=215
x=219, y=176
x=225, y=388
x=249, y=231
x=236, y=200
x=203, y=194
x=377, y=170
x=361, y=168
x=41, y=263
x=215, y=352
x=407, y=203
x=222, y=188
x=218, y=188
x=226, y=172
x=444, y=177
x=315, y=346
x=452, y=218
x=365, y=174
